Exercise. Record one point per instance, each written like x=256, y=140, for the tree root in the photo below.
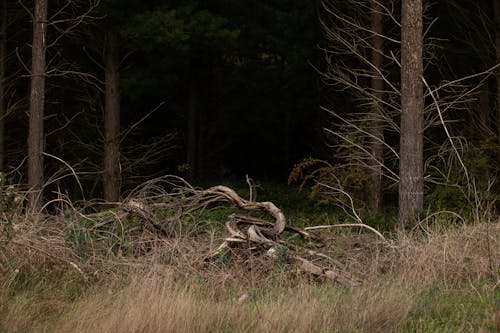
x=162, y=201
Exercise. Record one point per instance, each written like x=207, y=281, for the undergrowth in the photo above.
x=67, y=274
x=443, y=281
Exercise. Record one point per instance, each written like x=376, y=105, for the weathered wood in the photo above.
x=269, y=207
x=151, y=201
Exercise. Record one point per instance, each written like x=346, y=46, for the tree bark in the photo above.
x=112, y=173
x=377, y=86
x=3, y=53
x=36, y=108
x=411, y=181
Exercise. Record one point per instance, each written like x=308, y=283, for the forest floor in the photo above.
x=55, y=278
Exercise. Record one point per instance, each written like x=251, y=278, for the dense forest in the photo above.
x=249, y=166
x=204, y=89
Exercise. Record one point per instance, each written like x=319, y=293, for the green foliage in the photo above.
x=158, y=27
x=181, y=29
x=385, y=221
x=76, y=233
x=282, y=253
x=210, y=219
x=462, y=190
x=323, y=175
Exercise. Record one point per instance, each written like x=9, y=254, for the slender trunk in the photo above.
x=36, y=108
x=496, y=9
x=484, y=110
x=411, y=182
x=112, y=174
x=377, y=86
x=192, y=123
x=3, y=52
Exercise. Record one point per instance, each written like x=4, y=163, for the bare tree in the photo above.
x=36, y=108
x=411, y=169
x=354, y=67
x=358, y=49
x=63, y=21
x=377, y=86
x=112, y=173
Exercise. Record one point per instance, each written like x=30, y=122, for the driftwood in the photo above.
x=161, y=203
x=184, y=200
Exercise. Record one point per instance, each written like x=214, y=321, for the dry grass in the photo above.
x=155, y=303
x=443, y=280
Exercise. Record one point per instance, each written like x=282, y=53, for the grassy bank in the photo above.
x=442, y=281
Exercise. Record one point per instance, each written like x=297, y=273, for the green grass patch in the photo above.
x=464, y=308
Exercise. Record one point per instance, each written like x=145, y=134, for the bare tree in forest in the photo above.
x=3, y=54
x=356, y=57
x=377, y=86
x=63, y=22
x=411, y=179
x=36, y=108
x=112, y=174
x=363, y=65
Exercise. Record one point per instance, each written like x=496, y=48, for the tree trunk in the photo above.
x=3, y=53
x=112, y=173
x=192, y=123
x=377, y=86
x=484, y=111
x=36, y=108
x=411, y=182
x=496, y=9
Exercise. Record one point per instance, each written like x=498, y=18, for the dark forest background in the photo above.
x=218, y=89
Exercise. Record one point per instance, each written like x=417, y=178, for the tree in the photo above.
x=193, y=33
x=3, y=54
x=377, y=86
x=63, y=21
x=225, y=71
x=354, y=69
x=360, y=63
x=411, y=180
x=112, y=173
x=36, y=107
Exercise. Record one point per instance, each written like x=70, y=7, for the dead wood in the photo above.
x=163, y=203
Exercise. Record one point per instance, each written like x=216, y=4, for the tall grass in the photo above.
x=157, y=304
x=443, y=281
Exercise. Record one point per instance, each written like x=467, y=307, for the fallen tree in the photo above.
x=162, y=203
x=154, y=212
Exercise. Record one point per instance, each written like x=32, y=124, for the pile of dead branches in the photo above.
x=164, y=202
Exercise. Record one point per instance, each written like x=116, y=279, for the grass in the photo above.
x=444, y=280
x=466, y=308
